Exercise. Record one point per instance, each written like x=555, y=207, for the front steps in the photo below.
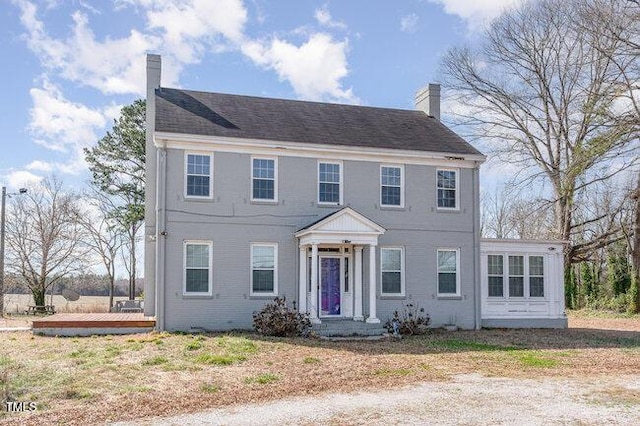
x=347, y=327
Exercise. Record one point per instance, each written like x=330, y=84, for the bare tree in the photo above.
x=539, y=94
x=105, y=236
x=44, y=237
x=510, y=214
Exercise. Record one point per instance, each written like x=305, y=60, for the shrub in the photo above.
x=276, y=319
x=411, y=320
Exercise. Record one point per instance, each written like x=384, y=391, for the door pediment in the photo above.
x=345, y=225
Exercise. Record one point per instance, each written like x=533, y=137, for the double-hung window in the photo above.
x=198, y=175
x=536, y=276
x=329, y=183
x=516, y=276
x=264, y=269
x=495, y=268
x=392, y=270
x=391, y=182
x=197, y=268
x=264, y=179
x=447, y=189
x=448, y=272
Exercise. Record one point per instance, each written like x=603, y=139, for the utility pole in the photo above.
x=2, y=232
x=2, y=219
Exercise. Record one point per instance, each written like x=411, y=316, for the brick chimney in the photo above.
x=428, y=100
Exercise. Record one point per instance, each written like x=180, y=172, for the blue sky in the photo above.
x=69, y=66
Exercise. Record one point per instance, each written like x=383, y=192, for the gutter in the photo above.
x=161, y=182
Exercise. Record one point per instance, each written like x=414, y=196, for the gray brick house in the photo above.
x=348, y=211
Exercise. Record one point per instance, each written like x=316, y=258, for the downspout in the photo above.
x=476, y=246
x=161, y=184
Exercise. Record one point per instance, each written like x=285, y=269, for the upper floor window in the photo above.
x=447, y=188
x=448, y=272
x=264, y=185
x=197, y=268
x=264, y=269
x=391, y=269
x=391, y=183
x=329, y=183
x=198, y=175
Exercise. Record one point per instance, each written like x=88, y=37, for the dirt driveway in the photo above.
x=467, y=399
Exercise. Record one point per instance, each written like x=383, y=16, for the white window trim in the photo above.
x=397, y=166
x=525, y=276
x=184, y=267
x=275, y=179
x=402, y=271
x=527, y=284
x=505, y=273
x=458, y=272
x=275, y=269
x=198, y=197
x=457, y=189
x=341, y=183
x=529, y=276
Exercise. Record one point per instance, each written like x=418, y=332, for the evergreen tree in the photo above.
x=618, y=276
x=117, y=165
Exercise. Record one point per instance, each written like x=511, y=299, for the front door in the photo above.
x=330, y=287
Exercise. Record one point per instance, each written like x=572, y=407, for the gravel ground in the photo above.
x=466, y=400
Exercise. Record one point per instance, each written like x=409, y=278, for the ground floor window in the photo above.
x=524, y=276
x=197, y=269
x=391, y=269
x=448, y=272
x=264, y=272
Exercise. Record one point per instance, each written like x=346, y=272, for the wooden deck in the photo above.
x=100, y=323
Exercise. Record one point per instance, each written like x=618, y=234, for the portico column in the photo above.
x=357, y=288
x=313, y=309
x=372, y=286
x=302, y=301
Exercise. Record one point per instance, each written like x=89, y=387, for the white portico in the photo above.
x=331, y=279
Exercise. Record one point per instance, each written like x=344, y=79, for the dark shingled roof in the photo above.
x=216, y=114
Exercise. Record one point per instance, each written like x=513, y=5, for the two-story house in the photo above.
x=347, y=211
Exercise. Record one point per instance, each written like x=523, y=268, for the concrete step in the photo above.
x=348, y=327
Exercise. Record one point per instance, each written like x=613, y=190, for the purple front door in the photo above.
x=330, y=294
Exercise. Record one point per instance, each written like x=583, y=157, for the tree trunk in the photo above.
x=38, y=293
x=635, y=253
x=112, y=283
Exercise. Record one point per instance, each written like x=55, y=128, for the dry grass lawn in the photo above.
x=89, y=380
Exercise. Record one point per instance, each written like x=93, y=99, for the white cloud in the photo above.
x=39, y=166
x=113, y=66
x=59, y=123
x=477, y=13
x=21, y=179
x=183, y=31
x=323, y=16
x=314, y=69
x=190, y=27
x=409, y=23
